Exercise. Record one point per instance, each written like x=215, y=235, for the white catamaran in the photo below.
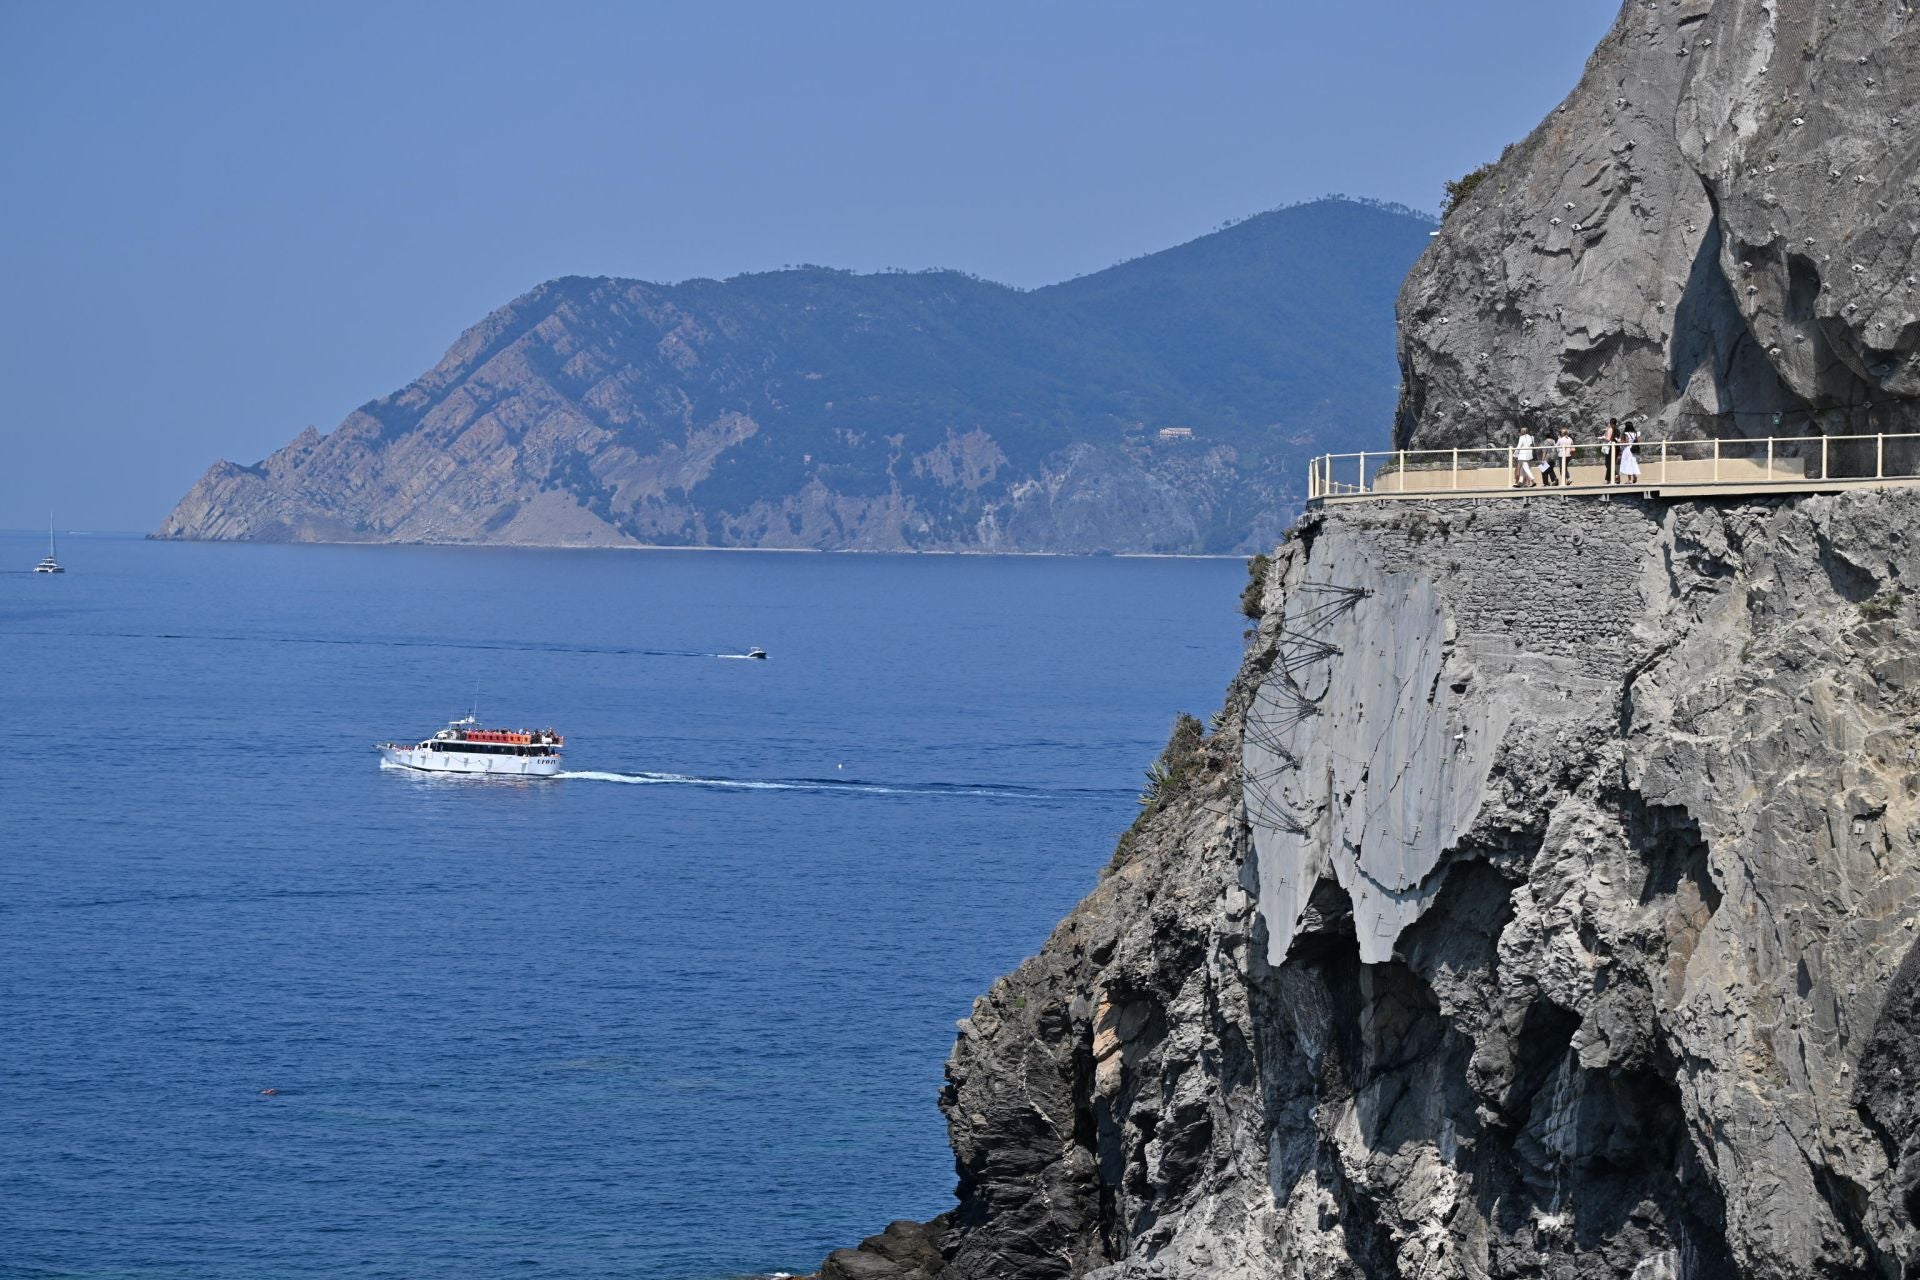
x=49, y=564
x=464, y=747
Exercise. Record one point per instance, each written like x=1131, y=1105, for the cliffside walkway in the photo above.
x=1668, y=468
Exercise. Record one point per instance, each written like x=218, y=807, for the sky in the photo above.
x=220, y=223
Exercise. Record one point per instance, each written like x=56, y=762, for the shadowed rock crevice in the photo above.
x=1888, y=1099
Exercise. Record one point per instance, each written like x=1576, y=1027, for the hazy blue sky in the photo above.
x=224, y=222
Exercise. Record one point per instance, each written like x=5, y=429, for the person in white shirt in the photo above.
x=1523, y=477
x=1565, y=447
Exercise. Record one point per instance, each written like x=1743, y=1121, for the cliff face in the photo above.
x=1546, y=900
x=1536, y=909
x=817, y=408
x=1716, y=227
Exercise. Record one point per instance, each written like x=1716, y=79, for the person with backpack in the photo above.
x=1610, y=450
x=1629, y=461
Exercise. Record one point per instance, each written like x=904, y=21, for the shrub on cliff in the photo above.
x=1460, y=188
x=1254, y=594
x=1186, y=747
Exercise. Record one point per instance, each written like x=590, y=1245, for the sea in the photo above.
x=270, y=1010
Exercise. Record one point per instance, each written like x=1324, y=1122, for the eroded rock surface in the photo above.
x=1716, y=227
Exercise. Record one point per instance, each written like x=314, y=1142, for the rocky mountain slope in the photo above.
x=1716, y=227
x=817, y=408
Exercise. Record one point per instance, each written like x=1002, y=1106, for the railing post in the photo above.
x=1663, y=462
x=1880, y=456
x=1456, y=468
x=1716, y=460
x=1403, y=470
x=1825, y=470
x=1363, y=474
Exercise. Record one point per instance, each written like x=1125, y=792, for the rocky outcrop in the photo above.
x=1715, y=230
x=1535, y=908
x=924, y=411
x=904, y=1251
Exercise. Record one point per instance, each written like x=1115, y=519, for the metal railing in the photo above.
x=1734, y=464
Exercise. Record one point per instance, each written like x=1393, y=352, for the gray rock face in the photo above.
x=1889, y=1096
x=1716, y=227
x=904, y=1251
x=1620, y=983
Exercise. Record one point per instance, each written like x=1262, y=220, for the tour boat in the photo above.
x=756, y=652
x=49, y=564
x=464, y=747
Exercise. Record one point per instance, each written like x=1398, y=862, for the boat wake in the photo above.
x=381, y=642
x=838, y=786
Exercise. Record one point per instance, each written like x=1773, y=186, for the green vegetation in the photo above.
x=1256, y=588
x=1460, y=188
x=1882, y=606
x=1166, y=775
x=1185, y=750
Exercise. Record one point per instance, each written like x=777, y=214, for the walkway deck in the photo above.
x=1668, y=468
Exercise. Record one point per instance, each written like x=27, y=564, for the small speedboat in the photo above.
x=756, y=652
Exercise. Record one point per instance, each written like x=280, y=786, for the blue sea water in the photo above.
x=682, y=1016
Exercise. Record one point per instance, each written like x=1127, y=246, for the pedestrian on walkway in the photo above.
x=1523, y=477
x=1629, y=461
x=1610, y=450
x=1565, y=447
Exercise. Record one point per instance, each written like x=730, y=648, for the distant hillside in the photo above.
x=818, y=408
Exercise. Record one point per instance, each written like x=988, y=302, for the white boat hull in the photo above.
x=425, y=760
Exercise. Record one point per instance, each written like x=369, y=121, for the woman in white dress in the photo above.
x=1629, y=460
